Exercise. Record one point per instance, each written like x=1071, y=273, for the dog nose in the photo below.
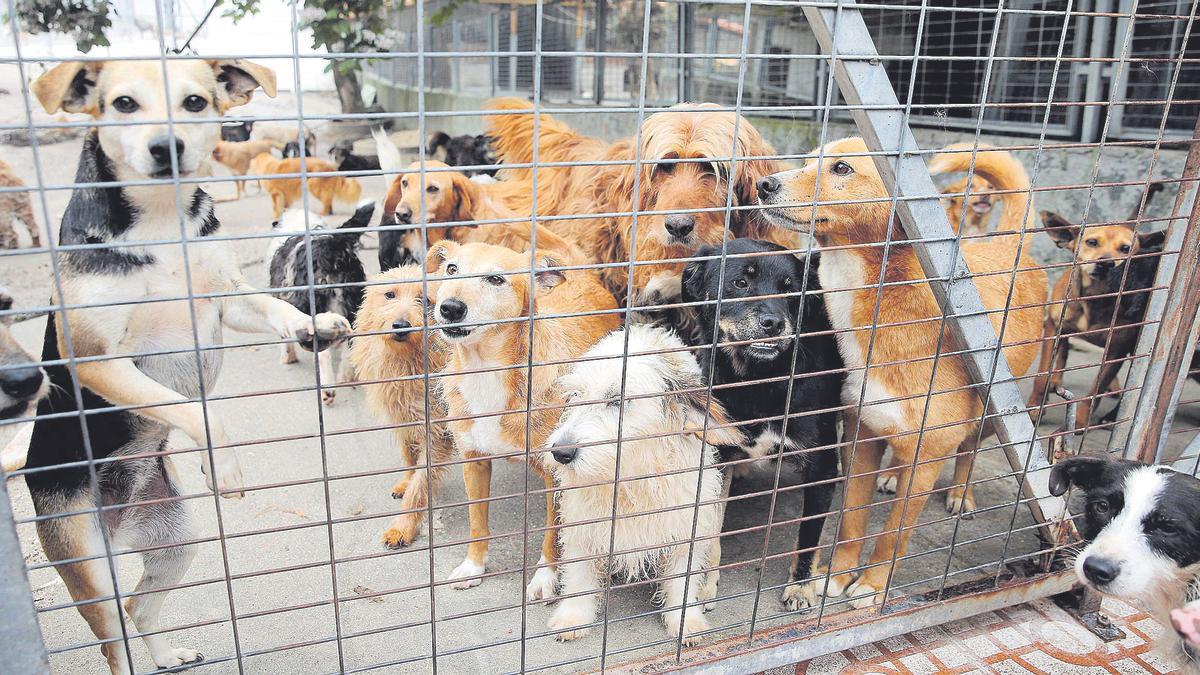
x=400, y=329
x=768, y=186
x=773, y=325
x=564, y=455
x=680, y=225
x=160, y=149
x=403, y=215
x=453, y=309
x=21, y=383
x=1100, y=570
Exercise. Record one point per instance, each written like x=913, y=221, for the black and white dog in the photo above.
x=337, y=274
x=1142, y=525
x=464, y=150
x=343, y=155
x=760, y=306
x=139, y=323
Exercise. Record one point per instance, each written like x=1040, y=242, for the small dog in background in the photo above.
x=286, y=191
x=335, y=265
x=343, y=155
x=465, y=150
x=669, y=430
x=237, y=156
x=979, y=205
x=389, y=353
x=16, y=207
x=284, y=133
x=1142, y=525
x=22, y=382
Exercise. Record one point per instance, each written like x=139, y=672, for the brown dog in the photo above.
x=286, y=191
x=15, y=206
x=888, y=402
x=484, y=316
x=452, y=197
x=388, y=351
x=237, y=157
x=979, y=205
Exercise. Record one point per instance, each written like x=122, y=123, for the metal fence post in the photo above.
x=877, y=112
x=601, y=45
x=24, y=651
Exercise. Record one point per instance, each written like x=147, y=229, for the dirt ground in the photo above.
x=279, y=583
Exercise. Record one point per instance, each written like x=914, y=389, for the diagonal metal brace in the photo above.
x=864, y=82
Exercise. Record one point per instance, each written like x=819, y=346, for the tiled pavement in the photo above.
x=1035, y=638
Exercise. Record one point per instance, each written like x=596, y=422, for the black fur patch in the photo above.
x=334, y=261
x=465, y=150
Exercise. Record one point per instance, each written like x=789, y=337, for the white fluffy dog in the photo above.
x=664, y=394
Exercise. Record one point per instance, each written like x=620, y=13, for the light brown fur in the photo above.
x=505, y=345
x=979, y=209
x=452, y=197
x=955, y=408
x=385, y=365
x=286, y=191
x=237, y=157
x=15, y=206
x=686, y=131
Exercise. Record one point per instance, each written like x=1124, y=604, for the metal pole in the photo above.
x=878, y=114
x=601, y=44
x=24, y=651
x=684, y=81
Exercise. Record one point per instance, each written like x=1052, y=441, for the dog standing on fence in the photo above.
x=125, y=301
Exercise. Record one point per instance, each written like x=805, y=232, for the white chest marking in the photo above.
x=486, y=393
x=767, y=444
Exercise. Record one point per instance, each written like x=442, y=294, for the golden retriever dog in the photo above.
x=452, y=197
x=685, y=165
x=286, y=191
x=237, y=156
x=389, y=353
x=979, y=205
x=483, y=308
x=887, y=402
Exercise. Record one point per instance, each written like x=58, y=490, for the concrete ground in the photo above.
x=279, y=584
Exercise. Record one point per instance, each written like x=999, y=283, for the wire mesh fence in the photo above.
x=764, y=391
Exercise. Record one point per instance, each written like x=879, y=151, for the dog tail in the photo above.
x=439, y=140
x=513, y=136
x=1003, y=171
x=360, y=220
x=389, y=155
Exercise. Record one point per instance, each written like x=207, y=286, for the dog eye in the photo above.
x=667, y=167
x=1100, y=506
x=1092, y=242
x=1163, y=527
x=390, y=295
x=124, y=104
x=431, y=189
x=495, y=280
x=194, y=103
x=740, y=283
x=1124, y=248
x=841, y=169
x=451, y=269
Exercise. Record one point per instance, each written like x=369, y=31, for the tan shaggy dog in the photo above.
x=389, y=354
x=483, y=309
x=286, y=191
x=689, y=131
x=979, y=205
x=452, y=197
x=892, y=396
x=14, y=207
x=237, y=157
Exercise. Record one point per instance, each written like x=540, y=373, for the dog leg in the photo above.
x=405, y=527
x=885, y=483
x=961, y=497
x=1053, y=360
x=261, y=313
x=805, y=581
x=870, y=587
x=477, y=475
x=541, y=586
x=581, y=581
x=708, y=591
x=278, y=204
x=1110, y=366
x=860, y=483
x=287, y=353
x=409, y=459
x=162, y=568
x=675, y=569
x=325, y=367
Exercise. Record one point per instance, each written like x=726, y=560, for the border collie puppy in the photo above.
x=464, y=150
x=335, y=264
x=343, y=155
x=1142, y=525
x=760, y=305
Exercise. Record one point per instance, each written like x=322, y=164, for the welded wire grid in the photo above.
x=1092, y=98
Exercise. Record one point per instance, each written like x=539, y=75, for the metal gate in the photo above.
x=1093, y=98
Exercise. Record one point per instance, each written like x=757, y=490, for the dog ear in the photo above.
x=1152, y=240
x=701, y=407
x=464, y=197
x=438, y=254
x=692, y=282
x=1082, y=471
x=69, y=86
x=548, y=278
x=1061, y=230
x=238, y=79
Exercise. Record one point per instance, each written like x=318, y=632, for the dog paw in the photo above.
x=956, y=504
x=319, y=332
x=328, y=396
x=229, y=478
x=885, y=483
x=541, y=586
x=694, y=623
x=173, y=658
x=837, y=584
x=863, y=595
x=571, y=621
x=466, y=575
x=402, y=532
x=708, y=589
x=288, y=357
x=401, y=485
x=801, y=595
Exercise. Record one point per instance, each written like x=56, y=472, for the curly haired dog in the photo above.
x=888, y=401
x=685, y=153
x=389, y=353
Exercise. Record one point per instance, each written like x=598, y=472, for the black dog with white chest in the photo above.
x=783, y=337
x=1142, y=525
